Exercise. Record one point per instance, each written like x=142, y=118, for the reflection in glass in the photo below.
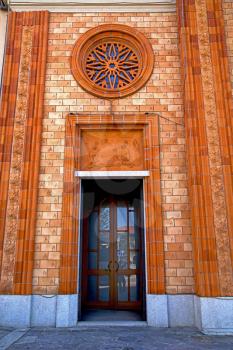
x=104, y=238
x=122, y=250
x=133, y=240
x=122, y=241
x=92, y=288
x=122, y=288
x=134, y=288
x=134, y=259
x=104, y=250
x=93, y=230
x=103, y=257
x=104, y=288
x=133, y=231
x=122, y=217
x=92, y=260
x=105, y=218
x=131, y=221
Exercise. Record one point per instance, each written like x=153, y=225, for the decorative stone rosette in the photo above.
x=112, y=61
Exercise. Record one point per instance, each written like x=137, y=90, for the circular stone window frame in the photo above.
x=124, y=34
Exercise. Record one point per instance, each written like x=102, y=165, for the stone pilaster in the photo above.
x=20, y=134
x=208, y=115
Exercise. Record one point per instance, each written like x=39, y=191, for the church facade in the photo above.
x=116, y=162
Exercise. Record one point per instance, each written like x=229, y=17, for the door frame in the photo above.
x=103, y=176
x=70, y=235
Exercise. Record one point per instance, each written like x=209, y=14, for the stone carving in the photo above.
x=112, y=60
x=215, y=161
x=16, y=162
x=112, y=150
x=112, y=65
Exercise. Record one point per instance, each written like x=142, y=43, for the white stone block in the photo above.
x=216, y=315
x=15, y=310
x=157, y=310
x=43, y=311
x=67, y=310
x=181, y=311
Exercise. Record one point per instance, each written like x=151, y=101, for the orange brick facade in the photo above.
x=163, y=94
x=189, y=94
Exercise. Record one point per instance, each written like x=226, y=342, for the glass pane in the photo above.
x=133, y=240
x=92, y=260
x=122, y=241
x=133, y=231
x=104, y=250
x=103, y=258
x=131, y=221
x=122, y=250
x=121, y=217
x=104, y=288
x=134, y=259
x=134, y=288
x=104, y=239
x=93, y=230
x=122, y=288
x=92, y=288
x=105, y=218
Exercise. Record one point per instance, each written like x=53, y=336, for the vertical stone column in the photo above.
x=209, y=135
x=20, y=133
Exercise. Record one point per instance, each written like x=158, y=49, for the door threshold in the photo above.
x=112, y=324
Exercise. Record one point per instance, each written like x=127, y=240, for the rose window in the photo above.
x=112, y=61
x=112, y=65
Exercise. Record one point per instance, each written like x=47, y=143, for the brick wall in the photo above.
x=228, y=17
x=163, y=93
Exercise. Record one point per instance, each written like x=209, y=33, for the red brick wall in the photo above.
x=163, y=93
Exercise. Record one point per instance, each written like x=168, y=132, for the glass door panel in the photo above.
x=122, y=250
x=104, y=250
x=127, y=245
x=113, y=265
x=123, y=285
x=122, y=222
x=134, y=288
x=104, y=288
x=93, y=230
x=105, y=218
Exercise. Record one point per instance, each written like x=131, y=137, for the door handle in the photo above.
x=117, y=264
x=109, y=266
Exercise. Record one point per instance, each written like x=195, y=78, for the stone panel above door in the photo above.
x=112, y=150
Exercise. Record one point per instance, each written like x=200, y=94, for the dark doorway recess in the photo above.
x=113, y=271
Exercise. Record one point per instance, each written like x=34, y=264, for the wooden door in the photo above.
x=112, y=259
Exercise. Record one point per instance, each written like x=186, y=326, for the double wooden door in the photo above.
x=112, y=260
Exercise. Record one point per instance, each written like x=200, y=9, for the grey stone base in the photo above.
x=170, y=310
x=210, y=315
x=35, y=310
x=214, y=315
